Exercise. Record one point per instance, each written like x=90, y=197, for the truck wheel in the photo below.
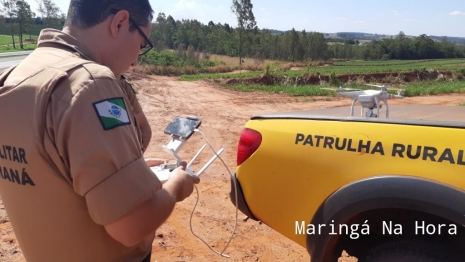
x=411, y=251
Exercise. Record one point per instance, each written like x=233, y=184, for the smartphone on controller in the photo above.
x=183, y=126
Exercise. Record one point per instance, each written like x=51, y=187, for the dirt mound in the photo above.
x=311, y=79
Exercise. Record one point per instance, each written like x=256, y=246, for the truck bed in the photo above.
x=426, y=115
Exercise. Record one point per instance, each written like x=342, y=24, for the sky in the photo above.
x=413, y=17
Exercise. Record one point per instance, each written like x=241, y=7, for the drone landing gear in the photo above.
x=370, y=113
x=371, y=108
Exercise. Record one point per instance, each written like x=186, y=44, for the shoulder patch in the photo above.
x=112, y=113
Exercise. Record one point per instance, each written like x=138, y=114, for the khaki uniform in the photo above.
x=130, y=93
x=70, y=158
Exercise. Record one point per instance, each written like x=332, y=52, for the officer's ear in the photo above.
x=119, y=21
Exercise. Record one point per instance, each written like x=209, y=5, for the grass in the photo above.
x=218, y=76
x=306, y=90
x=6, y=39
x=224, y=65
x=401, y=62
x=234, y=61
x=462, y=104
x=456, y=85
x=6, y=43
x=367, y=67
x=9, y=48
x=412, y=89
x=434, y=88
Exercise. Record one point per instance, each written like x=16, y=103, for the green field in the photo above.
x=4, y=30
x=433, y=88
x=411, y=89
x=402, y=62
x=7, y=40
x=350, y=68
x=9, y=48
x=6, y=43
x=454, y=83
x=305, y=90
x=338, y=68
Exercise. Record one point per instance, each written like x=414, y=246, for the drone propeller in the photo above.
x=341, y=89
x=399, y=95
x=383, y=86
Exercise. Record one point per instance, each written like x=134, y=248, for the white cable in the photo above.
x=197, y=201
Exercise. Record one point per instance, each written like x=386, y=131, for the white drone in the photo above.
x=370, y=99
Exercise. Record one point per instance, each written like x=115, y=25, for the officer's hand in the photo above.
x=154, y=161
x=183, y=182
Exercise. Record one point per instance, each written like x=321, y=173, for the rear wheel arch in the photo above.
x=382, y=196
x=411, y=251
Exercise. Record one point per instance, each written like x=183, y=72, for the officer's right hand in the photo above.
x=183, y=182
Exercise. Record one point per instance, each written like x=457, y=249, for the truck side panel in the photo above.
x=301, y=162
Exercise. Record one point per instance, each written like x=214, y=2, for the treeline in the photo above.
x=365, y=36
x=49, y=23
x=21, y=19
x=223, y=39
x=399, y=47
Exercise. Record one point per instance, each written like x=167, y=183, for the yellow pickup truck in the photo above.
x=382, y=189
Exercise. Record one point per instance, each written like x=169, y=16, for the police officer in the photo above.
x=73, y=179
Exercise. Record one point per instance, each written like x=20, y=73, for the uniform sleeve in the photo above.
x=128, y=89
x=97, y=140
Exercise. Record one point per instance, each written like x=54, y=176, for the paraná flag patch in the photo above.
x=112, y=112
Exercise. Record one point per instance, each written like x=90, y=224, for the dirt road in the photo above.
x=223, y=113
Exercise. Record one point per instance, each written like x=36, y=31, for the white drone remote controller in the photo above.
x=163, y=171
x=180, y=129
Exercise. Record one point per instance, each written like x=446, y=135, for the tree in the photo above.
x=227, y=28
x=10, y=11
x=402, y=46
x=295, y=45
x=245, y=20
x=50, y=13
x=318, y=46
x=425, y=47
x=25, y=19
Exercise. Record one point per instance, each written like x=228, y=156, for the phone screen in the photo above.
x=182, y=127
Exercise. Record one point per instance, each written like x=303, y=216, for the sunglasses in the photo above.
x=148, y=44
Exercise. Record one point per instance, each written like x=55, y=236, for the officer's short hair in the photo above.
x=88, y=13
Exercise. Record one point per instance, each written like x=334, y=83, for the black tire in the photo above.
x=411, y=251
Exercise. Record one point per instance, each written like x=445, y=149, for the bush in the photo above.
x=334, y=81
x=190, y=70
x=386, y=57
x=219, y=69
x=169, y=58
x=162, y=58
x=458, y=75
x=173, y=63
